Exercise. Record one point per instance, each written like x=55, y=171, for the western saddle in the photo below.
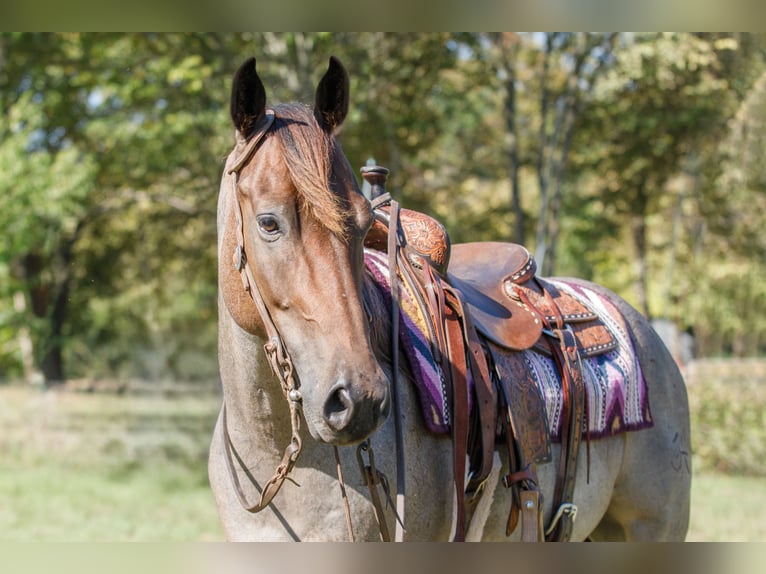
x=486, y=304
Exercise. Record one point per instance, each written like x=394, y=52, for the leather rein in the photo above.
x=282, y=366
x=276, y=352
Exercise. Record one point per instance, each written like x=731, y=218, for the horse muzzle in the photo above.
x=350, y=413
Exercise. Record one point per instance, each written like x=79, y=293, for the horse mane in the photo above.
x=309, y=152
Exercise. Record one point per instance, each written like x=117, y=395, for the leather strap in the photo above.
x=246, y=146
x=372, y=477
x=486, y=404
x=343, y=495
x=571, y=429
x=276, y=352
x=459, y=393
x=567, y=357
x=481, y=425
x=272, y=486
x=531, y=517
x=393, y=252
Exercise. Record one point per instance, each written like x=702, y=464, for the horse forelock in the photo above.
x=309, y=153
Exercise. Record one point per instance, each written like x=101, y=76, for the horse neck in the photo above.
x=255, y=403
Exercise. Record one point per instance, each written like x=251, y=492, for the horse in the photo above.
x=305, y=369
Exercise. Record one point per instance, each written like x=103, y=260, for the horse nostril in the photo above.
x=339, y=408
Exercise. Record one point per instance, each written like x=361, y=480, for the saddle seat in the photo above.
x=509, y=304
x=479, y=271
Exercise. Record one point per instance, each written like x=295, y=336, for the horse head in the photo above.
x=297, y=230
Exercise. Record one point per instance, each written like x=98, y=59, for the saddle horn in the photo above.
x=376, y=176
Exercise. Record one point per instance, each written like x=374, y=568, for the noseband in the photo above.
x=276, y=352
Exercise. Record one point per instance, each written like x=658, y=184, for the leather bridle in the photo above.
x=283, y=368
x=276, y=352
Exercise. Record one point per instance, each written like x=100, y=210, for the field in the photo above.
x=95, y=466
x=105, y=467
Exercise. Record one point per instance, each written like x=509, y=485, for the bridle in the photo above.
x=276, y=352
x=282, y=366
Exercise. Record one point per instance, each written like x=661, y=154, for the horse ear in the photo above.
x=248, y=98
x=331, y=104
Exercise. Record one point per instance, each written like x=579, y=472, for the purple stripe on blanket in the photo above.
x=417, y=349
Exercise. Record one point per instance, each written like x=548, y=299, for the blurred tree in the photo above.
x=397, y=86
x=730, y=306
x=111, y=149
x=109, y=154
x=662, y=100
x=564, y=69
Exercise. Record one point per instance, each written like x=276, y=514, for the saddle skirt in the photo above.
x=616, y=394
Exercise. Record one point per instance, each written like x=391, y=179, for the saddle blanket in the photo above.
x=615, y=389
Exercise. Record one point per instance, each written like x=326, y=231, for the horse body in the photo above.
x=310, y=275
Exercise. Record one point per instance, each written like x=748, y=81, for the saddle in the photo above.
x=486, y=304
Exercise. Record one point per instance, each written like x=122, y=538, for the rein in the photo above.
x=276, y=352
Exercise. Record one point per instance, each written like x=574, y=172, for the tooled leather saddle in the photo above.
x=486, y=304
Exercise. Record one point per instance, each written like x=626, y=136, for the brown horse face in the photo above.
x=304, y=224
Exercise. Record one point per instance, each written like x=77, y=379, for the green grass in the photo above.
x=51, y=503
x=103, y=467
x=728, y=509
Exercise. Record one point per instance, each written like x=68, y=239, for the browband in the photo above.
x=260, y=130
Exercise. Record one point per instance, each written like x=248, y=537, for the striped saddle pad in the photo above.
x=616, y=392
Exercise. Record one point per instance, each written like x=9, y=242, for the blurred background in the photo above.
x=633, y=160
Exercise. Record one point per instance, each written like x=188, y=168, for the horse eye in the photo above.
x=268, y=224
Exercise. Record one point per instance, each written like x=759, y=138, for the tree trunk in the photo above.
x=300, y=46
x=573, y=103
x=52, y=364
x=50, y=302
x=24, y=338
x=47, y=341
x=543, y=162
x=638, y=230
x=507, y=42
x=558, y=193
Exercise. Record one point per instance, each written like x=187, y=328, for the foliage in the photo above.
x=655, y=109
x=727, y=401
x=111, y=171
x=111, y=147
